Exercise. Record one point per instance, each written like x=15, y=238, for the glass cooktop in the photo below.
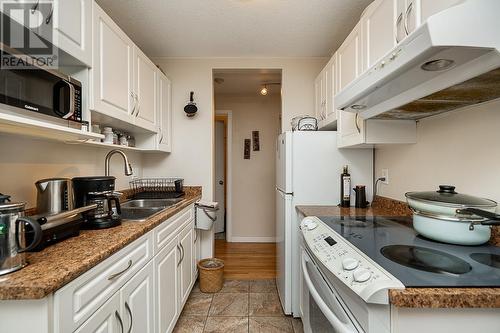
x=415, y=260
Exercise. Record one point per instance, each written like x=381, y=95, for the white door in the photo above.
x=107, y=319
x=137, y=302
x=164, y=113
x=349, y=57
x=167, y=305
x=145, y=88
x=379, y=31
x=74, y=32
x=186, y=241
x=283, y=249
x=112, y=70
x=220, y=179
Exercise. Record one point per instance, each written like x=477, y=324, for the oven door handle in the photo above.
x=72, y=101
x=338, y=325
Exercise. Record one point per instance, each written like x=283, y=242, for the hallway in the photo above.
x=247, y=261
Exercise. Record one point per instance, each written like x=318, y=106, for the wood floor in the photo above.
x=247, y=261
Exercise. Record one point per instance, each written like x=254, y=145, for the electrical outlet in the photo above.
x=385, y=174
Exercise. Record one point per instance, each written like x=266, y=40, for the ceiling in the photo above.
x=247, y=81
x=236, y=28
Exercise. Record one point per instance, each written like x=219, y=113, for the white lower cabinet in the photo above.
x=186, y=262
x=137, y=302
x=167, y=287
x=106, y=319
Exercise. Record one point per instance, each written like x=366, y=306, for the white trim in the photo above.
x=257, y=239
x=229, y=173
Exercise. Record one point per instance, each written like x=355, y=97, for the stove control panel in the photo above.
x=346, y=263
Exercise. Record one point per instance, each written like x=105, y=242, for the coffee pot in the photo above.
x=13, y=228
x=360, y=191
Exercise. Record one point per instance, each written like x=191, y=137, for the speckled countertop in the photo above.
x=59, y=264
x=416, y=297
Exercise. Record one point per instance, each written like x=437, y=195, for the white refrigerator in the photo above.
x=308, y=168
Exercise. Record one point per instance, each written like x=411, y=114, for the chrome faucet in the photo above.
x=128, y=167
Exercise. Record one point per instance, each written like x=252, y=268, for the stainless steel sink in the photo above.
x=139, y=210
x=150, y=203
x=138, y=214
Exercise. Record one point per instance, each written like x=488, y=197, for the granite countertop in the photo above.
x=59, y=264
x=414, y=297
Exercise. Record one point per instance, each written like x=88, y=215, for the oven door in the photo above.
x=322, y=310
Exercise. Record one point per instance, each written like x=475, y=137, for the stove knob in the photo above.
x=349, y=264
x=362, y=275
x=311, y=225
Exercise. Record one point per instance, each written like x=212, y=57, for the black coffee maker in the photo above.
x=98, y=190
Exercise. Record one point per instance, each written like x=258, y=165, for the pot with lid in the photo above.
x=450, y=217
x=13, y=228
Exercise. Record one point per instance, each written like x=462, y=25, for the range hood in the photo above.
x=451, y=61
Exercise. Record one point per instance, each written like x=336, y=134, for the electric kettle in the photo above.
x=13, y=228
x=54, y=195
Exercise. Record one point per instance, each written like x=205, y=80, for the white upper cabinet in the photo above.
x=350, y=60
x=73, y=26
x=431, y=7
x=112, y=70
x=327, y=86
x=411, y=13
x=164, y=137
x=145, y=82
x=349, y=57
x=379, y=31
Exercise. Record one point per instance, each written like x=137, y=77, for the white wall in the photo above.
x=192, y=151
x=253, y=190
x=460, y=148
x=23, y=161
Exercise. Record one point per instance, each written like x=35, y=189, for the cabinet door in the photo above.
x=112, y=71
x=167, y=290
x=107, y=319
x=164, y=113
x=332, y=88
x=73, y=26
x=317, y=97
x=197, y=247
x=186, y=267
x=350, y=58
x=379, y=31
x=145, y=89
x=431, y=7
x=137, y=302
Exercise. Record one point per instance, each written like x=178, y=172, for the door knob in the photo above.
x=221, y=182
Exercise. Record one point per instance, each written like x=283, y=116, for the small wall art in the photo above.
x=256, y=140
x=247, y=149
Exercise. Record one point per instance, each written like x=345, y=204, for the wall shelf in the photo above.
x=105, y=145
x=18, y=125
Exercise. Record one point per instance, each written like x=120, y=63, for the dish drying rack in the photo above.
x=157, y=188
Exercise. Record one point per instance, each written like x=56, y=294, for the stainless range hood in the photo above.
x=449, y=62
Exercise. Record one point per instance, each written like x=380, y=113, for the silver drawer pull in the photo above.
x=120, y=321
x=407, y=14
x=127, y=307
x=114, y=276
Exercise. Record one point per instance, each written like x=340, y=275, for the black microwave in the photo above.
x=44, y=91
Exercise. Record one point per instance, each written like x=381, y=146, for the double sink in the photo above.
x=139, y=210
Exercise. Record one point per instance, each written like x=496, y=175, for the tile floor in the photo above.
x=240, y=307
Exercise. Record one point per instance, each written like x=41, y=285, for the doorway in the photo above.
x=222, y=130
x=247, y=122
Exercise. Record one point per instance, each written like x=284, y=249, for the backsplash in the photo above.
x=23, y=161
x=460, y=148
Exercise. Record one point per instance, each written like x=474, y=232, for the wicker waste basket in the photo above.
x=211, y=275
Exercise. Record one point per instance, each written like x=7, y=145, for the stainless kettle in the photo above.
x=54, y=195
x=13, y=227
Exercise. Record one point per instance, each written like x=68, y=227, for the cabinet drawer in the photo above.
x=165, y=231
x=76, y=302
